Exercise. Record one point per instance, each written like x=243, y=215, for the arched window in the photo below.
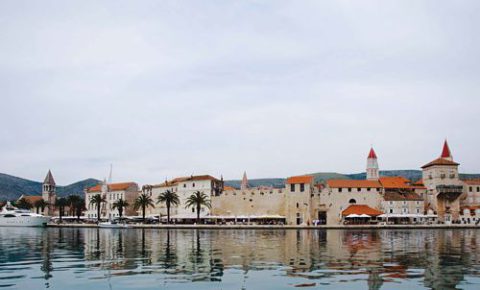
x=352, y=201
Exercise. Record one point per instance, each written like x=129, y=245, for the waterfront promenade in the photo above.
x=273, y=227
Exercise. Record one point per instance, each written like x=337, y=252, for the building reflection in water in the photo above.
x=438, y=259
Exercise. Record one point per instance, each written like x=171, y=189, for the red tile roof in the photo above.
x=361, y=209
x=349, y=183
x=394, y=182
x=419, y=182
x=112, y=186
x=472, y=181
x=398, y=196
x=300, y=179
x=177, y=180
x=446, y=151
x=441, y=161
x=32, y=199
x=372, y=154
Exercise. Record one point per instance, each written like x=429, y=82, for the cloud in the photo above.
x=277, y=88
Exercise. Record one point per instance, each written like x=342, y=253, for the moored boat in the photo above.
x=112, y=225
x=15, y=217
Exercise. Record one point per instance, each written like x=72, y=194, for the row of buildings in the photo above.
x=440, y=196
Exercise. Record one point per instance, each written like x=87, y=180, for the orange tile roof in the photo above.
x=397, y=196
x=300, y=179
x=228, y=188
x=441, y=161
x=361, y=209
x=32, y=199
x=176, y=180
x=419, y=182
x=350, y=183
x=394, y=182
x=112, y=186
x=472, y=181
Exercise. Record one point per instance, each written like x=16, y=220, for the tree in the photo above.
x=197, y=200
x=73, y=201
x=120, y=205
x=24, y=204
x=143, y=201
x=169, y=198
x=40, y=205
x=97, y=201
x=61, y=203
x=79, y=207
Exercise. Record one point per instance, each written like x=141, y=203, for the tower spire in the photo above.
x=372, y=166
x=446, y=154
x=244, y=184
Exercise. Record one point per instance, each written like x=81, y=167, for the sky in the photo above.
x=162, y=89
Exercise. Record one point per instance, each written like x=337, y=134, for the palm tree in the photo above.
x=79, y=207
x=120, y=205
x=169, y=198
x=97, y=201
x=23, y=203
x=197, y=200
x=40, y=204
x=73, y=201
x=61, y=203
x=143, y=201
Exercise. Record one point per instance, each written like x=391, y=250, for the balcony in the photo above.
x=450, y=192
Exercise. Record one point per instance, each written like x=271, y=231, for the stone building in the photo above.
x=444, y=187
x=112, y=192
x=400, y=199
x=184, y=187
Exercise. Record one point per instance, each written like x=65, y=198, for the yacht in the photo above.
x=14, y=217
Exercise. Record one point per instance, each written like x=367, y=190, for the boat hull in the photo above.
x=24, y=221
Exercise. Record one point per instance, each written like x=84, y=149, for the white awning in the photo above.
x=364, y=215
x=406, y=215
x=353, y=215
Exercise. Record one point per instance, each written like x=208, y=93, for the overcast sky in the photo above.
x=277, y=88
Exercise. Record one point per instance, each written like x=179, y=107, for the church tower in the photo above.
x=244, y=185
x=372, y=166
x=49, y=193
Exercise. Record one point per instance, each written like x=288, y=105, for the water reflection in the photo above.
x=248, y=259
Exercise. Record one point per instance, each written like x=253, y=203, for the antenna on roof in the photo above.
x=110, y=175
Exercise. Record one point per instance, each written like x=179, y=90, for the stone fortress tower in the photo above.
x=372, y=166
x=49, y=193
x=444, y=187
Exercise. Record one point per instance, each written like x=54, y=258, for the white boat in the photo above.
x=14, y=217
x=112, y=225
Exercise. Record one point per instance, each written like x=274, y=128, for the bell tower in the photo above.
x=49, y=193
x=372, y=166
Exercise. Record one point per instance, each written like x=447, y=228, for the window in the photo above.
x=340, y=190
x=478, y=189
x=349, y=190
x=352, y=201
x=368, y=189
x=298, y=205
x=292, y=187
x=302, y=187
x=193, y=209
x=359, y=189
x=193, y=184
x=418, y=210
x=391, y=210
x=470, y=189
x=184, y=185
x=390, y=202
